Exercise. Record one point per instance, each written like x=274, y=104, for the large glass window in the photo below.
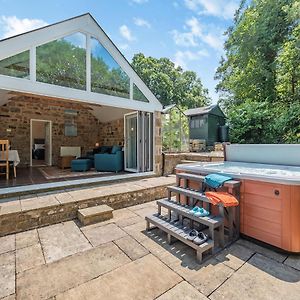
x=63, y=62
x=138, y=95
x=16, y=66
x=107, y=76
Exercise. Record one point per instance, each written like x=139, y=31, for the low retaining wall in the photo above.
x=42, y=210
x=173, y=159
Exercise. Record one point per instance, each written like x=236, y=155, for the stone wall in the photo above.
x=15, y=125
x=112, y=133
x=171, y=160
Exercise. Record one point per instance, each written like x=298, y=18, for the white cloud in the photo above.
x=12, y=25
x=126, y=33
x=141, y=22
x=183, y=57
x=185, y=39
x=197, y=33
x=219, y=8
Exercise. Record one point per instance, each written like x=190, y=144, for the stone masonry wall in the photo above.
x=16, y=114
x=112, y=133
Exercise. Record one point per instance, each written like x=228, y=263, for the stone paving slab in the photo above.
x=49, y=280
x=26, y=238
x=7, y=274
x=293, y=261
x=261, y=278
x=181, y=291
x=280, y=257
x=35, y=202
x=61, y=240
x=11, y=297
x=7, y=243
x=127, y=222
x=235, y=256
x=103, y=234
x=10, y=205
x=131, y=247
x=141, y=280
x=29, y=257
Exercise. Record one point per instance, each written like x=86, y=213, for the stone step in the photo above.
x=94, y=214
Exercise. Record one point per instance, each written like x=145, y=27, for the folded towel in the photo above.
x=215, y=180
x=222, y=198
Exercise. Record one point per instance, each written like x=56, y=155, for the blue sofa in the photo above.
x=111, y=162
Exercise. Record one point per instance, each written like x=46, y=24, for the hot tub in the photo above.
x=270, y=190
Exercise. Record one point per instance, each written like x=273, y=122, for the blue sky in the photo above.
x=189, y=32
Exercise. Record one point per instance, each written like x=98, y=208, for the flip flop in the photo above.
x=201, y=238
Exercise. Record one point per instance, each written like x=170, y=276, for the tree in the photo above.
x=259, y=77
x=170, y=84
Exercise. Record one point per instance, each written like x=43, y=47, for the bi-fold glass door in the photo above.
x=138, y=132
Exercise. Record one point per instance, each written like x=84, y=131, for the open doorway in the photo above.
x=40, y=142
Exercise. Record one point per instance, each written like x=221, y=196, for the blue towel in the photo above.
x=216, y=180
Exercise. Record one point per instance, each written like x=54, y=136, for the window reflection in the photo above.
x=107, y=76
x=63, y=62
x=16, y=66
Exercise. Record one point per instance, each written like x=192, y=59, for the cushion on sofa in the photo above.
x=115, y=149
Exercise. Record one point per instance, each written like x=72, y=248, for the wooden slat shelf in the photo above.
x=199, y=178
x=214, y=221
x=188, y=192
x=179, y=234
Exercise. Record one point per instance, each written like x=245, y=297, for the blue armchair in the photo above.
x=109, y=162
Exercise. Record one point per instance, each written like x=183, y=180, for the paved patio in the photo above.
x=118, y=259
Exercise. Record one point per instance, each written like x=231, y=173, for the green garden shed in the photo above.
x=206, y=123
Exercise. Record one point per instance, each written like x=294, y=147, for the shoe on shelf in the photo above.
x=200, y=238
x=192, y=235
x=201, y=212
x=194, y=210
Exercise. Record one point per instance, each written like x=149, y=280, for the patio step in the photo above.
x=94, y=214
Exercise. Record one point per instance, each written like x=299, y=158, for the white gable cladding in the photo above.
x=85, y=24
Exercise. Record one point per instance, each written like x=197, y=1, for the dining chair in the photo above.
x=4, y=162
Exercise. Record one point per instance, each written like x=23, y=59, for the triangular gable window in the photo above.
x=138, y=95
x=16, y=66
x=107, y=77
x=63, y=62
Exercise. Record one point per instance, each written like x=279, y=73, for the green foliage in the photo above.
x=259, y=78
x=175, y=130
x=170, y=84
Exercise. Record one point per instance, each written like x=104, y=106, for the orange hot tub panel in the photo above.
x=269, y=212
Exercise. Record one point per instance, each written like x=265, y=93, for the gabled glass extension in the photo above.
x=107, y=77
x=16, y=66
x=138, y=95
x=63, y=62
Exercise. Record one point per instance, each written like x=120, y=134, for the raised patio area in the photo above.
x=118, y=259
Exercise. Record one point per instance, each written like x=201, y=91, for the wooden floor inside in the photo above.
x=38, y=175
